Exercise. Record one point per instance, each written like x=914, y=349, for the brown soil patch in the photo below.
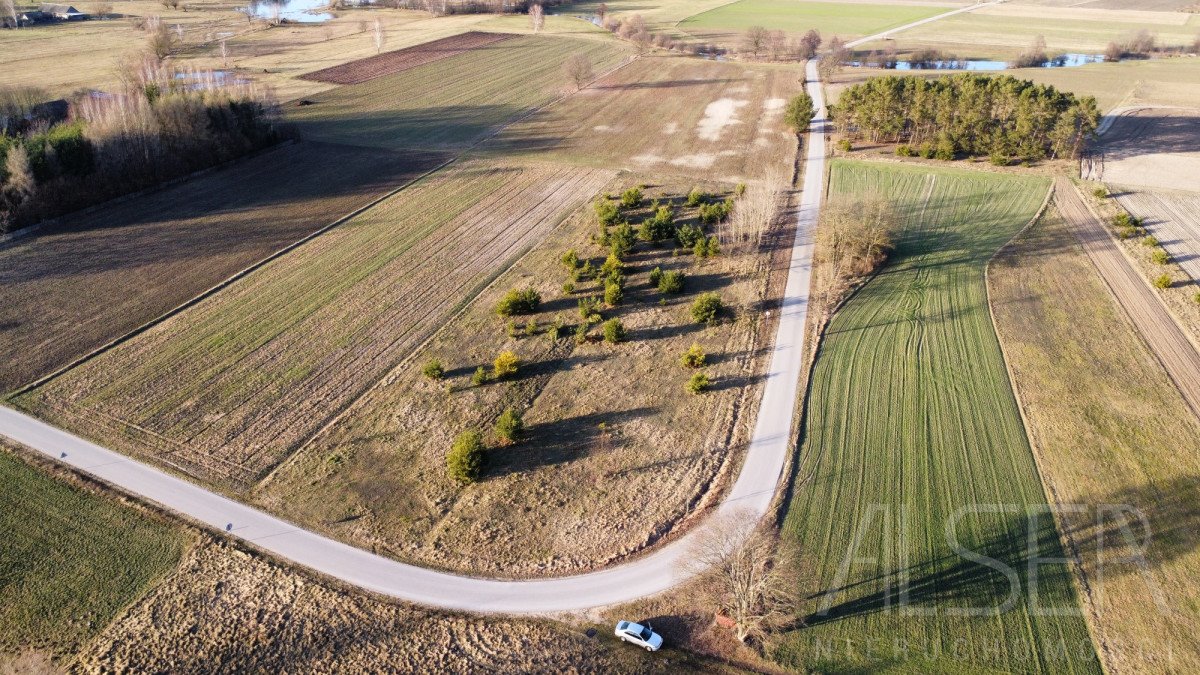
x=404, y=59
x=1152, y=148
x=71, y=288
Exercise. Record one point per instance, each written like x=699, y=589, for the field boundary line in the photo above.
x=213, y=290
x=120, y=199
x=1080, y=578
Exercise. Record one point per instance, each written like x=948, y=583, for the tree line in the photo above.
x=968, y=115
x=164, y=124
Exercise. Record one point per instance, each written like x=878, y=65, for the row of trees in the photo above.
x=165, y=123
x=967, y=114
x=774, y=45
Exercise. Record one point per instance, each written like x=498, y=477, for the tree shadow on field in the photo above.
x=1157, y=133
x=562, y=441
x=670, y=84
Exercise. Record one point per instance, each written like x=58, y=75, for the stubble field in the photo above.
x=667, y=115
x=914, y=455
x=845, y=19
x=454, y=102
x=1112, y=435
x=227, y=388
x=76, y=286
x=396, y=61
x=617, y=453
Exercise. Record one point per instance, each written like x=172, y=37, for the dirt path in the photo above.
x=1164, y=336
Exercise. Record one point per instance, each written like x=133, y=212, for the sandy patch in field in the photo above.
x=604, y=128
x=1154, y=148
x=774, y=105
x=670, y=128
x=698, y=161
x=718, y=115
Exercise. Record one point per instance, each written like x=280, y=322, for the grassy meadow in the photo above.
x=71, y=559
x=1110, y=429
x=453, y=102
x=845, y=19
x=914, y=456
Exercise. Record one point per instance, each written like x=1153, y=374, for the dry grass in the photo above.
x=226, y=389
x=76, y=286
x=1110, y=429
x=667, y=115
x=227, y=610
x=617, y=456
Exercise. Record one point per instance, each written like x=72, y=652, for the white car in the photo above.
x=639, y=635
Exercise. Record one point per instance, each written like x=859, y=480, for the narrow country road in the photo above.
x=754, y=489
x=1164, y=336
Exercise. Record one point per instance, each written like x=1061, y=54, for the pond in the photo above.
x=297, y=11
x=1062, y=61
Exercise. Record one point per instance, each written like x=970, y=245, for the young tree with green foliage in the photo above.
x=1163, y=281
x=607, y=211
x=631, y=198
x=479, y=377
x=505, y=365
x=509, y=427
x=671, y=282
x=614, y=291
x=465, y=459
x=433, y=370
x=694, y=357
x=614, y=331
x=519, y=302
x=698, y=383
x=799, y=113
x=707, y=308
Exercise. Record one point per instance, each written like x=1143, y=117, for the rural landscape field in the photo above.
x=815, y=336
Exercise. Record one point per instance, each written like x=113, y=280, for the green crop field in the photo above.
x=793, y=16
x=70, y=560
x=912, y=430
x=453, y=102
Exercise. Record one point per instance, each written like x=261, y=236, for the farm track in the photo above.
x=227, y=389
x=400, y=60
x=1162, y=333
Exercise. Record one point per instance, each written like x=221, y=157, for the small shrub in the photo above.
x=570, y=259
x=998, y=159
x=433, y=370
x=519, y=302
x=554, y=332
x=945, y=150
x=1150, y=241
x=607, y=212
x=660, y=226
x=631, y=198
x=621, y=240
x=711, y=214
x=739, y=189
x=531, y=327
x=1196, y=297
x=588, y=271
x=845, y=145
x=465, y=459
x=511, y=328
x=588, y=306
x=694, y=357
x=509, y=427
x=480, y=377
x=613, y=293
x=707, y=308
x=1162, y=281
x=1160, y=257
x=671, y=282
x=505, y=365
x=614, y=331
x=905, y=150
x=928, y=150
x=688, y=235
x=1127, y=232
x=656, y=275
x=698, y=383
x=1100, y=193
x=568, y=288
x=707, y=248
x=696, y=197
x=581, y=333
x=1122, y=220
x=612, y=265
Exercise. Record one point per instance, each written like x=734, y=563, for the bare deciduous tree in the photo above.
x=10, y=12
x=743, y=573
x=810, y=43
x=776, y=44
x=537, y=17
x=224, y=54
x=831, y=63
x=102, y=10
x=642, y=41
x=379, y=35
x=601, y=11
x=855, y=237
x=579, y=69
x=159, y=42
x=754, y=41
x=754, y=213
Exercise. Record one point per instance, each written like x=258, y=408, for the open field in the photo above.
x=914, y=443
x=227, y=388
x=73, y=287
x=355, y=72
x=451, y=103
x=1152, y=148
x=1110, y=429
x=71, y=559
x=668, y=115
x=845, y=19
x=228, y=610
x=1173, y=218
x=608, y=425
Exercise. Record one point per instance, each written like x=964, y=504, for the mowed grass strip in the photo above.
x=1111, y=432
x=453, y=102
x=70, y=560
x=669, y=115
x=226, y=388
x=796, y=16
x=913, y=439
x=74, y=287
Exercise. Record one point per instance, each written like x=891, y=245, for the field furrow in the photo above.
x=231, y=385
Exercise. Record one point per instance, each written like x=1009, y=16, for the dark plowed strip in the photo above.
x=400, y=60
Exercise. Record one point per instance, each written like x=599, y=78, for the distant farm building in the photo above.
x=61, y=12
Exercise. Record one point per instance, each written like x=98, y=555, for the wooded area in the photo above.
x=970, y=115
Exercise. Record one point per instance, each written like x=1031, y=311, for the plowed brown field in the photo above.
x=72, y=288
x=403, y=59
x=226, y=389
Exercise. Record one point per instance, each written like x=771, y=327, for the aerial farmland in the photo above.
x=516, y=336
